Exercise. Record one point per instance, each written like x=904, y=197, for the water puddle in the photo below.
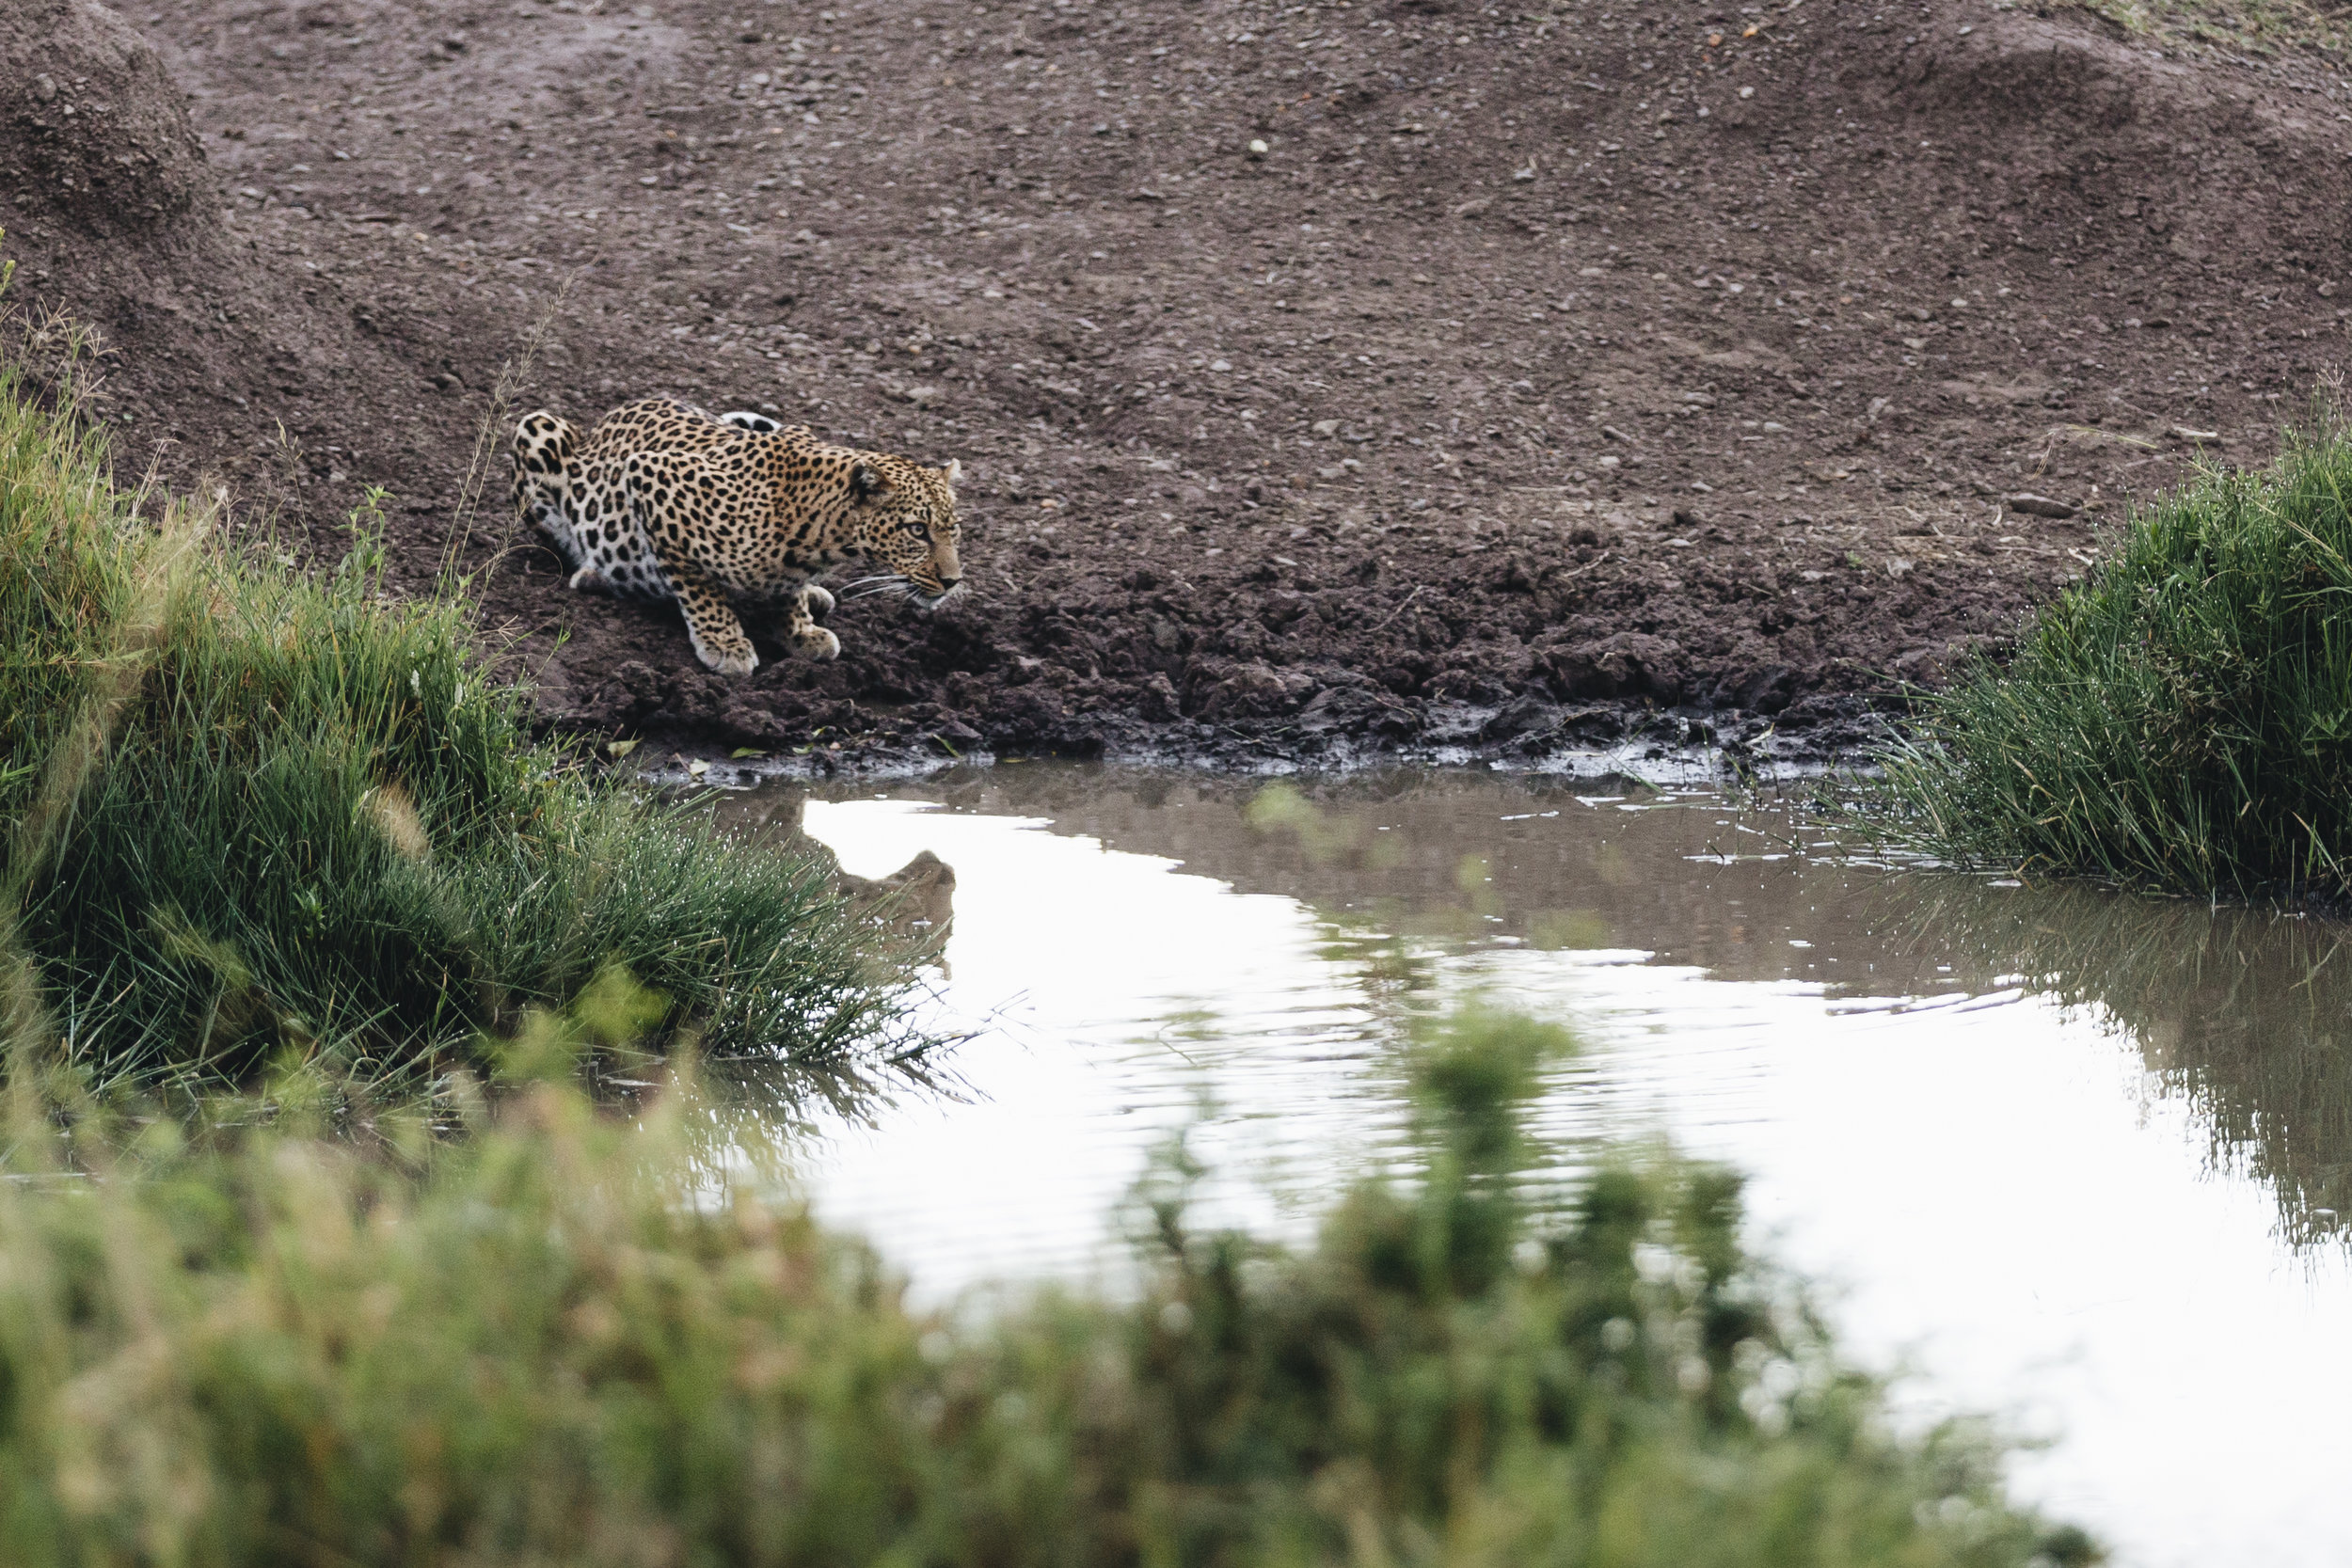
x=2079, y=1160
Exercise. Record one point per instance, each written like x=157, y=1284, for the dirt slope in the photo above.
x=1547, y=363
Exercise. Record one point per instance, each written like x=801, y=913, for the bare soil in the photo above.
x=1553, y=375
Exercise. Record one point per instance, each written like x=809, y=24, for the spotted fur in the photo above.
x=665, y=501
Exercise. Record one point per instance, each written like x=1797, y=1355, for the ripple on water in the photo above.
x=2082, y=1158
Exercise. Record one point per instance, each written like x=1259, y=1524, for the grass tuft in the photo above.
x=245, y=811
x=2182, y=719
x=2269, y=28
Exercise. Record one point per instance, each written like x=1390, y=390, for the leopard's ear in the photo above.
x=953, y=471
x=866, y=481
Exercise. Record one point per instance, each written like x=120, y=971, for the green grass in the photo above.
x=2264, y=27
x=2182, y=719
x=247, y=811
x=567, y=1341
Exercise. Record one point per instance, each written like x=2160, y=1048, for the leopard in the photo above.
x=734, y=511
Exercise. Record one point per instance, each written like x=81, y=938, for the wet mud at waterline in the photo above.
x=1553, y=381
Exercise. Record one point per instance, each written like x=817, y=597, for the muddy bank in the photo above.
x=1619, y=374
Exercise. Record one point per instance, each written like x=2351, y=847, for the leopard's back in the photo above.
x=577, y=492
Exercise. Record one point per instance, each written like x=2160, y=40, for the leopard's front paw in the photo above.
x=819, y=599
x=816, y=642
x=728, y=656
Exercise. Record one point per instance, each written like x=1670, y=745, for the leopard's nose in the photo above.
x=946, y=583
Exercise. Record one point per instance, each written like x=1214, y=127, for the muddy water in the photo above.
x=2080, y=1160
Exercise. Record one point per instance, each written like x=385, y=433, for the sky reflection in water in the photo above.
x=2081, y=1158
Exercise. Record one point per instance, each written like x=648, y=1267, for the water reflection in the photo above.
x=2245, y=1015
x=2049, y=1142
x=915, y=904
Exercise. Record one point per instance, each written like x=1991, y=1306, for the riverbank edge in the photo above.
x=1620, y=739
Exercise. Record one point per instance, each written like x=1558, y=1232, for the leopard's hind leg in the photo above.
x=543, y=445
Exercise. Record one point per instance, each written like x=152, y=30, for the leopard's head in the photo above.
x=905, y=518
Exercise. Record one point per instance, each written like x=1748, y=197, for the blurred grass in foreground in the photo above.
x=2182, y=719
x=566, y=1338
x=247, y=811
